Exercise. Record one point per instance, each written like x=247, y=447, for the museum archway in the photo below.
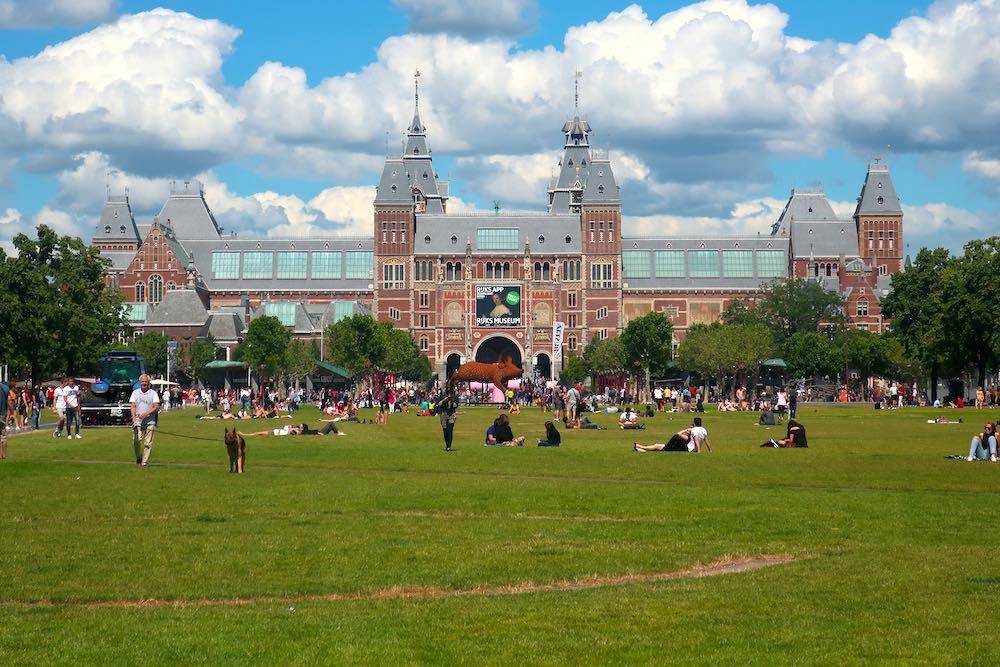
x=495, y=348
x=543, y=366
x=452, y=363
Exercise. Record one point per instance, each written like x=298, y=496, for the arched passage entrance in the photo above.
x=543, y=365
x=495, y=348
x=452, y=363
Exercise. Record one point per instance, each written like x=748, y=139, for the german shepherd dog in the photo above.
x=236, y=445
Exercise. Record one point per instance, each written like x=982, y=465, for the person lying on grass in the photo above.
x=552, y=437
x=690, y=440
x=629, y=420
x=794, y=437
x=298, y=429
x=984, y=445
x=499, y=434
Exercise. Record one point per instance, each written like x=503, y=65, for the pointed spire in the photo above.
x=416, y=127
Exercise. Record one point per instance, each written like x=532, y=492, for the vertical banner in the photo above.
x=557, y=339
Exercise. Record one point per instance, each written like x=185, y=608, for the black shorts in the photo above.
x=676, y=444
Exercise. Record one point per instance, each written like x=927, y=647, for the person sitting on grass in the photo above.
x=795, y=437
x=766, y=417
x=499, y=434
x=588, y=425
x=552, y=437
x=984, y=445
x=629, y=420
x=515, y=409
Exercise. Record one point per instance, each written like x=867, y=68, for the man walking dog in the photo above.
x=145, y=406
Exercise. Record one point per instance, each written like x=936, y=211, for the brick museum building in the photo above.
x=481, y=286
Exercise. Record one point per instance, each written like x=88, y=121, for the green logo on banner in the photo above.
x=513, y=297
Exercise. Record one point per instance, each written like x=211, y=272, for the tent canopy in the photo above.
x=221, y=364
x=775, y=363
x=336, y=370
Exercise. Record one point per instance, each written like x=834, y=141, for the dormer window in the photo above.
x=416, y=151
x=454, y=240
x=107, y=229
x=116, y=214
x=600, y=188
x=880, y=185
x=881, y=200
x=810, y=209
x=393, y=188
x=570, y=162
x=583, y=163
x=122, y=229
x=541, y=239
x=425, y=175
x=427, y=239
x=569, y=240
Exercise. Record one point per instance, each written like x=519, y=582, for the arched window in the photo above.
x=506, y=270
x=546, y=273
x=171, y=286
x=862, y=307
x=155, y=289
x=489, y=270
x=538, y=270
x=140, y=292
x=829, y=269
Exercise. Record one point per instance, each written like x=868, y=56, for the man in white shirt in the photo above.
x=699, y=436
x=145, y=406
x=59, y=407
x=629, y=420
x=73, y=409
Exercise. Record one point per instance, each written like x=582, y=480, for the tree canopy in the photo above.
x=57, y=315
x=153, y=348
x=265, y=344
x=366, y=347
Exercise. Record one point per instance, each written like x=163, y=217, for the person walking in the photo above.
x=36, y=407
x=447, y=409
x=73, y=409
x=59, y=407
x=145, y=404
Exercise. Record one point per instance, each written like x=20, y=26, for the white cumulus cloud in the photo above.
x=50, y=13
x=472, y=18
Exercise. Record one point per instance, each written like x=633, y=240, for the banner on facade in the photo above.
x=498, y=306
x=557, y=339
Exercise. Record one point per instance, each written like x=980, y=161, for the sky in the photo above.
x=711, y=111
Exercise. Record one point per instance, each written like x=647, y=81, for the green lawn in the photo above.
x=896, y=548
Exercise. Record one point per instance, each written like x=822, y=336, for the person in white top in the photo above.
x=59, y=407
x=699, y=435
x=145, y=407
x=629, y=419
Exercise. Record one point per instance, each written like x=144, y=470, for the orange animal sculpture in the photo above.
x=498, y=373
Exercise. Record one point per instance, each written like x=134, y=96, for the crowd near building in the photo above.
x=483, y=286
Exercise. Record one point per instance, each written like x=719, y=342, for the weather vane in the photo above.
x=576, y=89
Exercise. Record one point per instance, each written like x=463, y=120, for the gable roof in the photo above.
x=179, y=307
x=186, y=212
x=117, y=222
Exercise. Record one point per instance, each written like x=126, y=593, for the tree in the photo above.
x=199, y=355
x=795, y=305
x=300, y=360
x=265, y=344
x=357, y=343
x=366, y=347
x=916, y=309
x=701, y=351
x=574, y=371
x=726, y=350
x=970, y=296
x=58, y=314
x=811, y=354
x=604, y=356
x=153, y=348
x=648, y=343
x=867, y=355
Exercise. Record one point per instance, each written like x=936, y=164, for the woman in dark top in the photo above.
x=552, y=437
x=446, y=408
x=501, y=435
x=795, y=437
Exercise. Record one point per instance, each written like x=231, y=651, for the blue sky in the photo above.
x=713, y=110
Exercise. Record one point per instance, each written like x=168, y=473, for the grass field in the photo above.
x=342, y=550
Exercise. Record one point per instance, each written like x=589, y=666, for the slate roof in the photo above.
x=179, y=307
x=825, y=238
x=804, y=205
x=757, y=242
x=119, y=260
x=186, y=212
x=117, y=222
x=554, y=229
x=878, y=195
x=223, y=327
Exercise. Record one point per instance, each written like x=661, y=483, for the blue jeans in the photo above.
x=978, y=450
x=35, y=415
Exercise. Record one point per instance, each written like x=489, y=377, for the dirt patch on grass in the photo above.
x=731, y=565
